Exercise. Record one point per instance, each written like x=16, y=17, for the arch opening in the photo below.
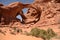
x=24, y=12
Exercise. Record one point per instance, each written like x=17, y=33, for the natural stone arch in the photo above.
x=35, y=13
x=10, y=11
x=24, y=12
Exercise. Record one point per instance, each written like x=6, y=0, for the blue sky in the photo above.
x=9, y=1
x=6, y=2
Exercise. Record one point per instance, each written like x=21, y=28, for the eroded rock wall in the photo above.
x=50, y=14
x=43, y=13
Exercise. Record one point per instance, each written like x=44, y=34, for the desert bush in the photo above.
x=50, y=33
x=16, y=30
x=46, y=35
x=35, y=32
x=43, y=34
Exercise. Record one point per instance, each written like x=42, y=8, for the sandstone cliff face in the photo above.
x=43, y=13
x=50, y=13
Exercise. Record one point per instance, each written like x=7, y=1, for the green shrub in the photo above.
x=46, y=35
x=15, y=30
x=50, y=33
x=43, y=34
x=35, y=32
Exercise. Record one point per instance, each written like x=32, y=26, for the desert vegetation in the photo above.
x=45, y=34
x=15, y=30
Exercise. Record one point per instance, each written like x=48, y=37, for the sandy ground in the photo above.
x=17, y=37
x=20, y=36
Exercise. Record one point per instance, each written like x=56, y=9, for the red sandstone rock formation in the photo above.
x=48, y=13
x=33, y=15
x=49, y=16
x=10, y=11
x=43, y=13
